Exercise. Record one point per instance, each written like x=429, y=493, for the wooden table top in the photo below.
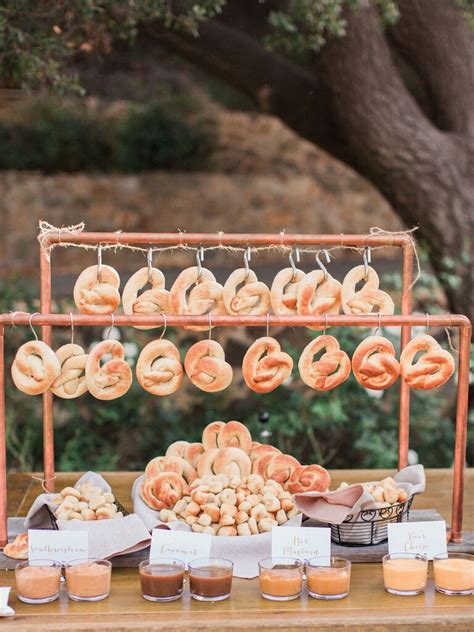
x=368, y=605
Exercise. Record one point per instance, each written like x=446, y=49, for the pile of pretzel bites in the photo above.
x=228, y=484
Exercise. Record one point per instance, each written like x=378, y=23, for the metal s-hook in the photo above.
x=149, y=263
x=99, y=262
x=210, y=324
x=247, y=256
x=321, y=264
x=111, y=326
x=297, y=253
x=164, y=325
x=30, y=323
x=427, y=322
x=367, y=256
x=199, y=266
x=72, y=327
x=378, y=328
x=325, y=323
x=201, y=253
x=293, y=266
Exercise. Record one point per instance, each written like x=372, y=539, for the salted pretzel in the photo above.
x=374, y=363
x=71, y=382
x=318, y=295
x=233, y=462
x=432, y=369
x=204, y=298
x=330, y=370
x=159, y=370
x=265, y=366
x=35, y=367
x=369, y=297
x=253, y=297
x=235, y=434
x=206, y=367
x=284, y=290
x=152, y=301
x=210, y=433
x=309, y=478
x=114, y=377
x=164, y=490
x=97, y=296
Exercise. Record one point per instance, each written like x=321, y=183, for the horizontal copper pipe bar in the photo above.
x=230, y=239
x=368, y=320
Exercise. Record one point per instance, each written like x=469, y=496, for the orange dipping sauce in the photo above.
x=328, y=581
x=88, y=579
x=405, y=575
x=454, y=574
x=281, y=582
x=38, y=582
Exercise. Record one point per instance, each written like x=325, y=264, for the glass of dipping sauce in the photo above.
x=38, y=581
x=210, y=579
x=328, y=577
x=161, y=579
x=281, y=578
x=405, y=573
x=88, y=579
x=454, y=573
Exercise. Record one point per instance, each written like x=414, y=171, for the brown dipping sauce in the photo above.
x=166, y=580
x=210, y=581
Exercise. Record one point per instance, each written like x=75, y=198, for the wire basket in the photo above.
x=370, y=525
x=54, y=520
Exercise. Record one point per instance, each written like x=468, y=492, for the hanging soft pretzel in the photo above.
x=152, y=301
x=164, y=490
x=114, y=377
x=252, y=298
x=97, y=296
x=71, y=382
x=159, y=369
x=35, y=367
x=234, y=434
x=432, y=369
x=206, y=367
x=284, y=291
x=233, y=462
x=309, y=478
x=265, y=365
x=374, y=363
x=204, y=298
x=332, y=368
x=210, y=433
x=369, y=297
x=317, y=295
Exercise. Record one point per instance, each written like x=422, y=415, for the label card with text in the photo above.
x=180, y=545
x=57, y=546
x=301, y=543
x=427, y=538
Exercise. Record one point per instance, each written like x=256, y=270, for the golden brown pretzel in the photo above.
x=365, y=300
x=162, y=464
x=159, y=370
x=252, y=298
x=279, y=468
x=94, y=296
x=374, y=363
x=152, y=301
x=233, y=462
x=193, y=452
x=284, y=291
x=177, y=448
x=204, y=298
x=71, y=382
x=309, y=478
x=35, y=367
x=432, y=369
x=332, y=368
x=164, y=490
x=205, y=463
x=210, y=433
x=18, y=549
x=114, y=377
x=265, y=366
x=206, y=367
x=234, y=434
x=258, y=450
x=317, y=296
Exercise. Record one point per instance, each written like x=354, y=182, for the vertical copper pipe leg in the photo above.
x=404, y=422
x=48, y=428
x=3, y=448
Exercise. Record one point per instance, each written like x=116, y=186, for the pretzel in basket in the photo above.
x=71, y=383
x=159, y=369
x=234, y=434
x=163, y=490
x=97, y=292
x=374, y=363
x=114, y=377
x=309, y=478
x=210, y=434
x=253, y=297
x=284, y=291
x=332, y=368
x=265, y=366
x=318, y=293
x=204, y=298
x=152, y=301
x=233, y=462
x=18, y=549
x=35, y=367
x=206, y=367
x=369, y=297
x=432, y=369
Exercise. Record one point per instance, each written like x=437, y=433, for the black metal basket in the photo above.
x=370, y=525
x=54, y=520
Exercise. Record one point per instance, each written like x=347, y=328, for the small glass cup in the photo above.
x=405, y=573
x=161, y=579
x=88, y=579
x=328, y=577
x=38, y=581
x=210, y=579
x=454, y=573
x=281, y=578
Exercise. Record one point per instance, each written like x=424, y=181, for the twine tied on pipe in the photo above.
x=47, y=229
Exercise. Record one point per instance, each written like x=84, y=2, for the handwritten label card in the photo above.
x=57, y=546
x=427, y=538
x=301, y=542
x=179, y=545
